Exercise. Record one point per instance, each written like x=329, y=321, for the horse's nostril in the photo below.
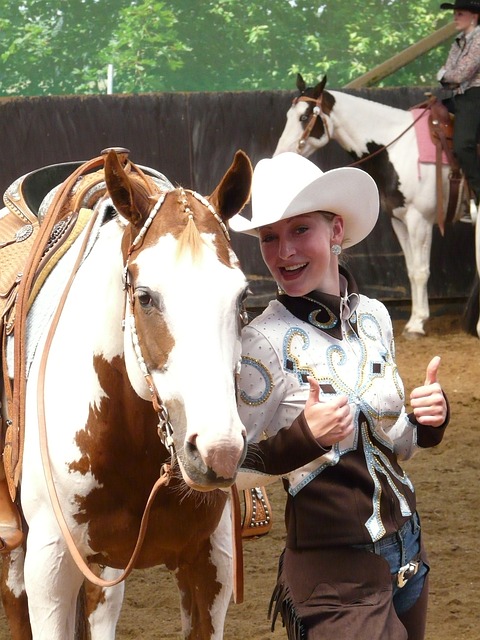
x=191, y=449
x=192, y=439
x=193, y=454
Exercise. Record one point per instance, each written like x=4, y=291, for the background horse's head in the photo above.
x=308, y=125
x=184, y=308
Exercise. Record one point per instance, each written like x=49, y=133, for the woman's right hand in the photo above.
x=331, y=421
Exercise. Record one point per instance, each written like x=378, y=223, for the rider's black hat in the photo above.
x=467, y=5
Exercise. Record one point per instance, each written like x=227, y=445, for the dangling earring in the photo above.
x=280, y=291
x=336, y=249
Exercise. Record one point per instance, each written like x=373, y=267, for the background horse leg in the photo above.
x=14, y=597
x=477, y=260
x=206, y=588
x=414, y=234
x=103, y=605
x=471, y=316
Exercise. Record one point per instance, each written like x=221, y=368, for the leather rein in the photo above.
x=163, y=479
x=165, y=430
x=317, y=112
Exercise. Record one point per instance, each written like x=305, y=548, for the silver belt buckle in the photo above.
x=406, y=572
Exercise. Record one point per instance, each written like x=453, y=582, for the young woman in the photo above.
x=323, y=403
x=461, y=74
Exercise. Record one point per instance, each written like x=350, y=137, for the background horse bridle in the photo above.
x=312, y=121
x=317, y=112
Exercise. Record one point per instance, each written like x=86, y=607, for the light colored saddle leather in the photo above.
x=30, y=240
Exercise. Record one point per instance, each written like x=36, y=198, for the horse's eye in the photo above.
x=144, y=298
x=304, y=118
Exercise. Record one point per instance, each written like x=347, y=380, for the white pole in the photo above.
x=110, y=79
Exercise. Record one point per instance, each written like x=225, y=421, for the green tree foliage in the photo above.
x=65, y=46
x=51, y=46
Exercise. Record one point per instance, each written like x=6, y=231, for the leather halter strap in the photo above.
x=316, y=113
x=165, y=430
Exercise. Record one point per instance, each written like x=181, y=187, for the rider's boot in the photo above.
x=11, y=534
x=470, y=213
x=474, y=206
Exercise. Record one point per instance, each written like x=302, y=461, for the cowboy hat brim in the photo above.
x=348, y=192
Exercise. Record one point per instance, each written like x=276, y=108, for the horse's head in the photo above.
x=308, y=126
x=184, y=310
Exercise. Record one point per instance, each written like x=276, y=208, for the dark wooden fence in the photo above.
x=192, y=138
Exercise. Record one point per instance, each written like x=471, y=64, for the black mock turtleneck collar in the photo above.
x=322, y=310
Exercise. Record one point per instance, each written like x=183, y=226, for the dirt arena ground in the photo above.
x=447, y=484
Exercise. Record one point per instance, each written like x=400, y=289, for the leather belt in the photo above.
x=410, y=569
x=386, y=541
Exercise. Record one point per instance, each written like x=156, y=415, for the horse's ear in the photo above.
x=233, y=191
x=121, y=189
x=301, y=86
x=318, y=89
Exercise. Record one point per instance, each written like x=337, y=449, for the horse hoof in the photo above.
x=413, y=335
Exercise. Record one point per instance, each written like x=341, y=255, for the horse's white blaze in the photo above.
x=292, y=133
x=200, y=306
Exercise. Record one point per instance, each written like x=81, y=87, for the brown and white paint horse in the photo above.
x=363, y=128
x=182, y=306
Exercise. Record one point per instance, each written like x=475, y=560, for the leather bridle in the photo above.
x=318, y=113
x=312, y=121
x=165, y=430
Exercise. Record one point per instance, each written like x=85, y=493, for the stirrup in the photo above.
x=470, y=215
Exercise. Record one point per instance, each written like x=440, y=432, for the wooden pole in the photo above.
x=403, y=58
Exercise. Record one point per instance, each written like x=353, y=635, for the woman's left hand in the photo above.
x=428, y=402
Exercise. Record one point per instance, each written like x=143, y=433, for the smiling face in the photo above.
x=297, y=252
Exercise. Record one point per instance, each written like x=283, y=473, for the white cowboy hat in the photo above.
x=288, y=184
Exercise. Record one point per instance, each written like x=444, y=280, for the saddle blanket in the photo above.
x=426, y=148
x=43, y=309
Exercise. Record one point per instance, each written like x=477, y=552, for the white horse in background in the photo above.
x=383, y=139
